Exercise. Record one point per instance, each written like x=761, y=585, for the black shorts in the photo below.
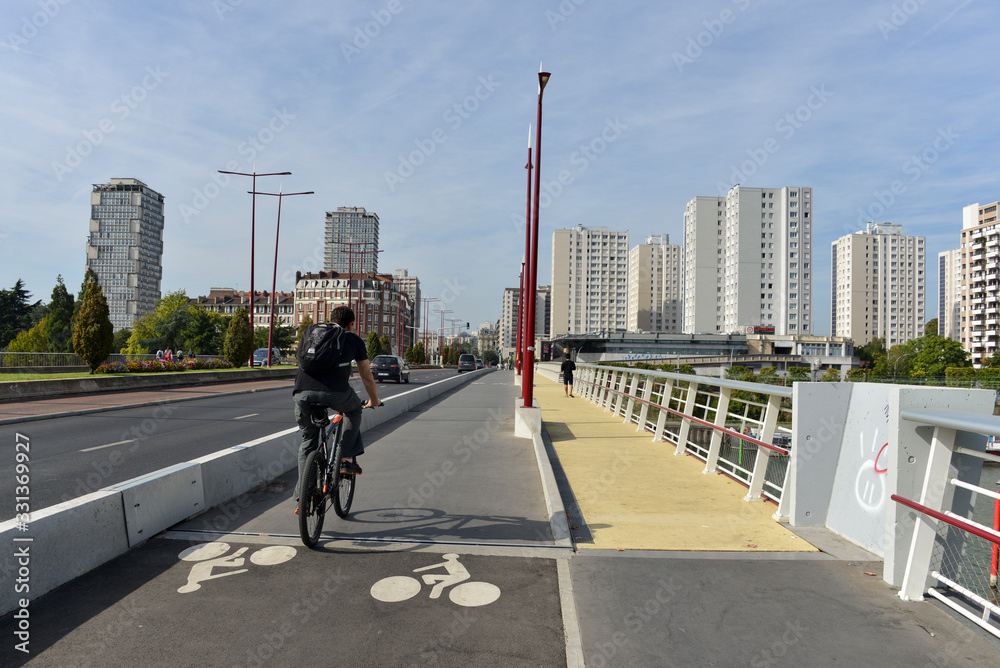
x=567, y=379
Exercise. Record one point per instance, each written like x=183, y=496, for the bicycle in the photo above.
x=322, y=482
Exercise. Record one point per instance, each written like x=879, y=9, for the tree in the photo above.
x=59, y=322
x=93, y=333
x=931, y=354
x=831, y=375
x=931, y=328
x=88, y=276
x=798, y=372
x=383, y=342
x=374, y=346
x=15, y=312
x=491, y=358
x=205, y=332
x=120, y=341
x=32, y=340
x=238, y=345
x=164, y=327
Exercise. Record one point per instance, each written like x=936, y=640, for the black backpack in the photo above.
x=321, y=348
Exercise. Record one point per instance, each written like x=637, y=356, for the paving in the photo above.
x=448, y=558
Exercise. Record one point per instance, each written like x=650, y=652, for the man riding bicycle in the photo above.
x=331, y=388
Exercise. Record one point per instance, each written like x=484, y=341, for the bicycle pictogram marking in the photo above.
x=398, y=588
x=211, y=562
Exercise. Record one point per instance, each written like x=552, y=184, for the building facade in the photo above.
x=351, y=241
x=507, y=330
x=980, y=332
x=879, y=285
x=950, y=294
x=589, y=280
x=655, y=286
x=411, y=286
x=226, y=301
x=125, y=247
x=731, y=282
x=379, y=305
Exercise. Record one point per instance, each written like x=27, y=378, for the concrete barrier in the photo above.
x=34, y=389
x=61, y=542
x=74, y=537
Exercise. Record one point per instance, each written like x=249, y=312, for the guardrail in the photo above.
x=739, y=429
x=953, y=558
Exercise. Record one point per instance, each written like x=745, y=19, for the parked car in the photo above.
x=479, y=363
x=260, y=357
x=390, y=367
x=466, y=362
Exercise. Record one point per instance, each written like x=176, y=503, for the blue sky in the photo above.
x=419, y=111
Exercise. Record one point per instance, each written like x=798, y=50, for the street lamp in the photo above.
x=274, y=276
x=521, y=306
x=253, y=212
x=527, y=389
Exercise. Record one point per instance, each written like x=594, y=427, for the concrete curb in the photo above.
x=69, y=539
x=58, y=387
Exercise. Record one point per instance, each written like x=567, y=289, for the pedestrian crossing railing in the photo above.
x=739, y=429
x=953, y=558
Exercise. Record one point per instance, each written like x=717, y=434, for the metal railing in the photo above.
x=738, y=429
x=9, y=360
x=956, y=554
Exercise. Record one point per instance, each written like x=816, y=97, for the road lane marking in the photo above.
x=246, y=416
x=109, y=445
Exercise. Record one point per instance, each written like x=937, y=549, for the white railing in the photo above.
x=739, y=429
x=955, y=554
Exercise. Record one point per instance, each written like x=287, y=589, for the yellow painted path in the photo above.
x=638, y=495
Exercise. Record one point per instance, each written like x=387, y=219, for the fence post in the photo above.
x=918, y=561
x=620, y=398
x=647, y=395
x=721, y=413
x=759, y=475
x=682, y=434
x=633, y=388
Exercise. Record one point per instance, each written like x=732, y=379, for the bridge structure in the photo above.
x=652, y=519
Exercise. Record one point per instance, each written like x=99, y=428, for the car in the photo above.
x=479, y=363
x=390, y=367
x=260, y=357
x=466, y=362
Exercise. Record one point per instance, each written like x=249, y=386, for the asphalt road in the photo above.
x=75, y=455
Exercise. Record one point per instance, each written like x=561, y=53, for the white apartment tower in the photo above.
x=507, y=336
x=589, y=280
x=654, y=286
x=980, y=331
x=950, y=294
x=125, y=247
x=879, y=285
x=747, y=261
x=351, y=241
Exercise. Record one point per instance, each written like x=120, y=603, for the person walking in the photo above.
x=567, y=368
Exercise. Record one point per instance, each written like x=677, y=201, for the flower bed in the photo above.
x=154, y=366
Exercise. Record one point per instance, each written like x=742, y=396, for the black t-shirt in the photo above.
x=336, y=380
x=567, y=367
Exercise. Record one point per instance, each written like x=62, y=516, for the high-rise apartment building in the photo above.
x=879, y=285
x=747, y=261
x=589, y=280
x=507, y=335
x=351, y=240
x=980, y=281
x=411, y=286
x=125, y=247
x=950, y=294
x=654, y=286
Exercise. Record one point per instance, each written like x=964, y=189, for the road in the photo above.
x=75, y=455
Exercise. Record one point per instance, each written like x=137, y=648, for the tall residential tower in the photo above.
x=589, y=280
x=351, y=240
x=980, y=281
x=125, y=247
x=654, y=286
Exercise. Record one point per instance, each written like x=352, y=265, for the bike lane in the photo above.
x=446, y=559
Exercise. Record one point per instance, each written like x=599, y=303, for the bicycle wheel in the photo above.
x=343, y=486
x=312, y=500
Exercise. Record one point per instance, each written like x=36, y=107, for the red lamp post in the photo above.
x=274, y=276
x=528, y=372
x=253, y=215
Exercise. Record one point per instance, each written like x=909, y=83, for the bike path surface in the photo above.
x=254, y=596
x=235, y=586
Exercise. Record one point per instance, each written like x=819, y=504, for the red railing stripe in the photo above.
x=976, y=531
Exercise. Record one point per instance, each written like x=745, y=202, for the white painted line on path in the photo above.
x=109, y=445
x=246, y=416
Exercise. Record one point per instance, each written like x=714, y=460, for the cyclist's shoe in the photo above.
x=296, y=510
x=349, y=468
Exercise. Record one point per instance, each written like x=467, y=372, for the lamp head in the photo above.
x=543, y=78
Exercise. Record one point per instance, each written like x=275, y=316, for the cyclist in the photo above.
x=333, y=389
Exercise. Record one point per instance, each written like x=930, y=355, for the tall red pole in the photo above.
x=518, y=351
x=522, y=310
x=528, y=373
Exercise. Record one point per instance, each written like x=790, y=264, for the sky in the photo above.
x=420, y=111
